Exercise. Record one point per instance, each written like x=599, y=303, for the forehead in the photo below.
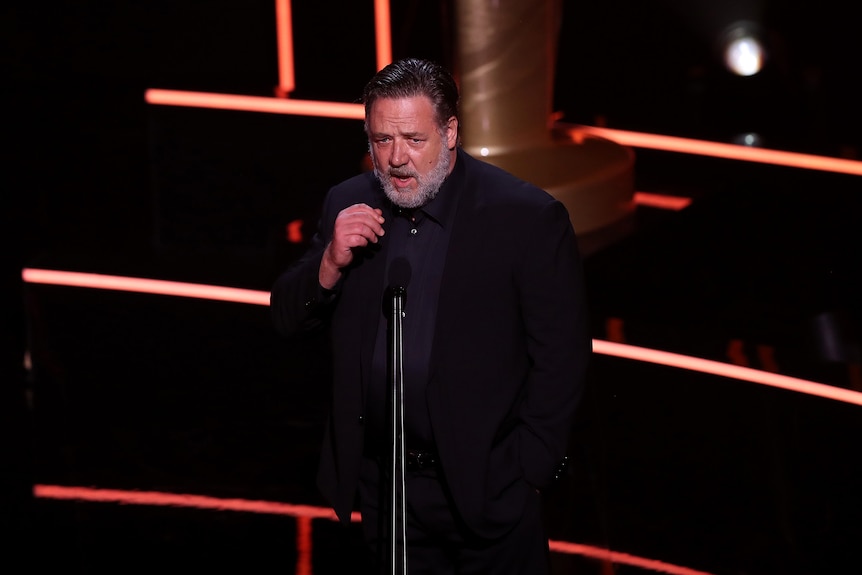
x=413, y=113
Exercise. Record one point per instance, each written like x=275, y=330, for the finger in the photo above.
x=360, y=209
x=359, y=223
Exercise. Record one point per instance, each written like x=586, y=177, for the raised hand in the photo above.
x=355, y=227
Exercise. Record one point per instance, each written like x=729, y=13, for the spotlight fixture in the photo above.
x=750, y=139
x=742, y=49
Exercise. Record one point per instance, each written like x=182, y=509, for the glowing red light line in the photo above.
x=141, y=285
x=635, y=139
x=284, y=35
x=303, y=546
x=301, y=512
x=254, y=104
x=662, y=201
x=257, y=297
x=721, y=150
x=159, y=498
x=621, y=558
x=726, y=370
x=383, y=33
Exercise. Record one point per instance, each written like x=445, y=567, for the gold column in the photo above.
x=505, y=63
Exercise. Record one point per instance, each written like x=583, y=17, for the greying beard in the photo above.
x=426, y=186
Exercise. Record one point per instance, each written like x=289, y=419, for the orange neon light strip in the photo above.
x=721, y=150
x=257, y=297
x=726, y=370
x=303, y=546
x=158, y=498
x=284, y=35
x=183, y=500
x=141, y=285
x=621, y=558
x=662, y=201
x=254, y=104
x=635, y=139
x=383, y=33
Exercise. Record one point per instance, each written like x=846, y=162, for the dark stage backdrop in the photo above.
x=151, y=392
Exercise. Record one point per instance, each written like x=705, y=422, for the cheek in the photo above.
x=379, y=159
x=429, y=159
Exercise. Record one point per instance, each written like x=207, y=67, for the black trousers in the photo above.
x=438, y=542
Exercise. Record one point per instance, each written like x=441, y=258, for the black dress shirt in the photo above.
x=421, y=237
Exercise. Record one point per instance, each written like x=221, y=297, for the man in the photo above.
x=495, y=333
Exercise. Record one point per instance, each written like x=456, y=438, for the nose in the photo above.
x=399, y=154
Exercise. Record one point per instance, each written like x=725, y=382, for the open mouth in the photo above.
x=401, y=181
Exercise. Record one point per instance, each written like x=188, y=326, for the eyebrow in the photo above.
x=402, y=134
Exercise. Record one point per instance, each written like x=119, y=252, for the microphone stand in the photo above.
x=397, y=520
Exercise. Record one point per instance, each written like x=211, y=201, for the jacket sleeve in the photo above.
x=297, y=300
x=554, y=312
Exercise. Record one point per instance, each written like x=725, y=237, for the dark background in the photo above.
x=82, y=147
x=157, y=393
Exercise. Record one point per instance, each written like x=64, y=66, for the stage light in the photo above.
x=751, y=139
x=742, y=49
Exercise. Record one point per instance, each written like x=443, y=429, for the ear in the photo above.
x=452, y=133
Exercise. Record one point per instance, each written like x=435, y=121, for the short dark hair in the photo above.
x=414, y=77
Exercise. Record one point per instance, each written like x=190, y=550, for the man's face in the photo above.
x=411, y=156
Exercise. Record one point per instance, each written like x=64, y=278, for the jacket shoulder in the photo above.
x=495, y=186
x=359, y=188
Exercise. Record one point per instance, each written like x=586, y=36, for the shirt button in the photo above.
x=414, y=231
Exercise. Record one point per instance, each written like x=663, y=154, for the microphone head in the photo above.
x=399, y=273
x=396, y=292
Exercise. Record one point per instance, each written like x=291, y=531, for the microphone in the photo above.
x=399, y=278
x=399, y=273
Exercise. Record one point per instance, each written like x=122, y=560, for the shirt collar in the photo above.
x=442, y=208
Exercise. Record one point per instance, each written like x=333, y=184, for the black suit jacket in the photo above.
x=509, y=353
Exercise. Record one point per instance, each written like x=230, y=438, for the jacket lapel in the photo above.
x=457, y=264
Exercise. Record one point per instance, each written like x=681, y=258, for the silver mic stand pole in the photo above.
x=397, y=523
